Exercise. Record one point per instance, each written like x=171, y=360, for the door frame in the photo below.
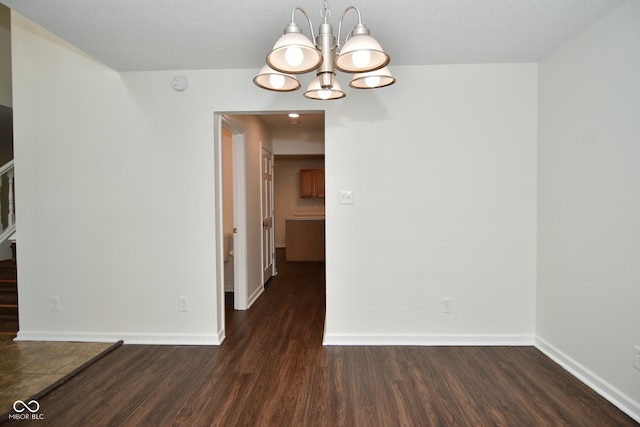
x=240, y=262
x=225, y=119
x=240, y=282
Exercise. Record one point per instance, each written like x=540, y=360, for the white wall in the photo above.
x=442, y=167
x=298, y=143
x=117, y=211
x=105, y=181
x=588, y=314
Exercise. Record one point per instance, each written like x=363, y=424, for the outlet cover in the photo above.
x=183, y=304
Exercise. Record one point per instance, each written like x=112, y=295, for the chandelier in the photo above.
x=293, y=53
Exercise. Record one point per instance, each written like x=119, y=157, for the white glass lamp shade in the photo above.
x=315, y=91
x=270, y=79
x=294, y=53
x=360, y=54
x=373, y=79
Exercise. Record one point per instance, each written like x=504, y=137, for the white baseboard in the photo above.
x=600, y=386
x=221, y=336
x=127, y=337
x=428, y=339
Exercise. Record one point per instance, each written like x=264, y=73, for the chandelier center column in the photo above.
x=326, y=41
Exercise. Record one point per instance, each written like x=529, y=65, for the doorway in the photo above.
x=255, y=139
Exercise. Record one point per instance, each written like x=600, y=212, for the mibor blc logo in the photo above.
x=26, y=411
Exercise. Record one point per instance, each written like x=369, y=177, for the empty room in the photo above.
x=475, y=193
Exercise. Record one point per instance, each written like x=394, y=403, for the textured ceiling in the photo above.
x=130, y=35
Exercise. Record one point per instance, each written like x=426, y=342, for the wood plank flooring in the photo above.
x=272, y=370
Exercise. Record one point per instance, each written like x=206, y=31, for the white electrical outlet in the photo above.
x=636, y=356
x=447, y=305
x=183, y=304
x=54, y=303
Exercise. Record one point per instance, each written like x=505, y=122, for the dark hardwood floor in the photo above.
x=272, y=370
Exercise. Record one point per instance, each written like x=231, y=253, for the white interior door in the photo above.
x=268, y=245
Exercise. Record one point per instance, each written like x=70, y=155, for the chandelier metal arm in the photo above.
x=342, y=19
x=293, y=12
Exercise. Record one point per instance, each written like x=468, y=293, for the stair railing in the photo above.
x=7, y=202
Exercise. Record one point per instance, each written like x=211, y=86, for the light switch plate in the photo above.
x=346, y=197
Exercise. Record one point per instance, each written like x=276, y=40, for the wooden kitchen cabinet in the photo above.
x=312, y=183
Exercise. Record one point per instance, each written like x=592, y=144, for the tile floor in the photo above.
x=27, y=368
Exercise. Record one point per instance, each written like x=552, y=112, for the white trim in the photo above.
x=240, y=267
x=9, y=234
x=219, y=225
x=240, y=244
x=221, y=336
x=255, y=295
x=127, y=337
x=429, y=339
x=623, y=402
x=6, y=167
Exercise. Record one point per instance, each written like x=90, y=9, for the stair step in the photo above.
x=9, y=327
x=8, y=305
x=8, y=284
x=8, y=294
x=8, y=275
x=8, y=298
x=8, y=318
x=9, y=313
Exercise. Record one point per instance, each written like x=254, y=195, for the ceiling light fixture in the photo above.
x=294, y=118
x=294, y=53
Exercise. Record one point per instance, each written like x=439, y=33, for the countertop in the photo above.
x=304, y=218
